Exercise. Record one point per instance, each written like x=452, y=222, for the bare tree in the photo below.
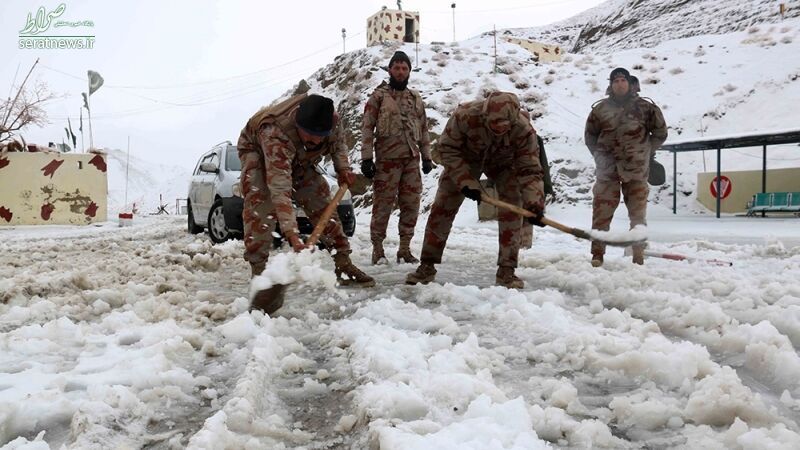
x=26, y=108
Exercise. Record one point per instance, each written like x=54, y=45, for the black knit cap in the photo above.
x=400, y=57
x=315, y=115
x=619, y=71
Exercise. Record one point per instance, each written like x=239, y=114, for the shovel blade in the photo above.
x=269, y=300
x=621, y=243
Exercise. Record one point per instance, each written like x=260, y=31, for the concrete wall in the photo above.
x=744, y=185
x=52, y=188
x=542, y=52
x=390, y=25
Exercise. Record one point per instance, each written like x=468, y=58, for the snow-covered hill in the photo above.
x=624, y=24
x=146, y=181
x=746, y=81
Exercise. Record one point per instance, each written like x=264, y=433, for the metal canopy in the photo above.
x=719, y=143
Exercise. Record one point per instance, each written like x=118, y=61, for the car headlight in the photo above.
x=237, y=189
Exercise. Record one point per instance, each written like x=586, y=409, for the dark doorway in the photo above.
x=409, y=36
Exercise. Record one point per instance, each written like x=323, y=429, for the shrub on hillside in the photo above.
x=548, y=79
x=786, y=40
x=520, y=82
x=676, y=70
x=651, y=80
x=449, y=103
x=532, y=97
x=487, y=87
x=638, y=67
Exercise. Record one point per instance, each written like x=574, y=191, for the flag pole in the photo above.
x=83, y=147
x=89, y=111
x=127, y=166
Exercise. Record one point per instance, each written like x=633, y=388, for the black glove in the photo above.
x=427, y=166
x=538, y=215
x=368, y=168
x=472, y=194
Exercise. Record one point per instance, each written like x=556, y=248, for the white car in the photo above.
x=215, y=199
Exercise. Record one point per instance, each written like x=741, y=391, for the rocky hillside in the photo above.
x=623, y=24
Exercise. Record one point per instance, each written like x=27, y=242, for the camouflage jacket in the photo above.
x=285, y=156
x=394, y=125
x=622, y=137
x=467, y=142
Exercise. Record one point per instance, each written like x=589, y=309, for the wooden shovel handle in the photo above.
x=525, y=213
x=326, y=215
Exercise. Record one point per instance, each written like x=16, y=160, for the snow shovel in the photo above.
x=677, y=257
x=577, y=232
x=271, y=299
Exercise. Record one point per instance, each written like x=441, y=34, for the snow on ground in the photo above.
x=140, y=336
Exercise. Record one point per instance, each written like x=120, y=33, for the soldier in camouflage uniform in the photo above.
x=489, y=136
x=401, y=136
x=279, y=148
x=622, y=132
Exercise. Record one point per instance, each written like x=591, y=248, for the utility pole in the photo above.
x=453, y=6
x=494, y=34
x=344, y=35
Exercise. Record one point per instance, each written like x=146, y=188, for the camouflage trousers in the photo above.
x=395, y=180
x=310, y=191
x=606, y=199
x=446, y=205
x=526, y=235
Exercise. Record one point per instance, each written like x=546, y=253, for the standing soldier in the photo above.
x=494, y=137
x=279, y=148
x=401, y=136
x=622, y=132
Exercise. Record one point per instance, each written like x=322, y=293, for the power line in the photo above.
x=215, y=98
x=217, y=80
x=513, y=8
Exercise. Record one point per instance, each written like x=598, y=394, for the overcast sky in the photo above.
x=181, y=76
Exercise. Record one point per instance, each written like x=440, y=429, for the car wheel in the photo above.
x=192, y=227
x=216, y=223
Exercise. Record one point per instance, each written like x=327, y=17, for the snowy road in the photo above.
x=139, y=337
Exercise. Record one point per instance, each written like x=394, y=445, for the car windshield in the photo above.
x=232, y=162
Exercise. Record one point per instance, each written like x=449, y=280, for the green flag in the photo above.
x=71, y=134
x=95, y=81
